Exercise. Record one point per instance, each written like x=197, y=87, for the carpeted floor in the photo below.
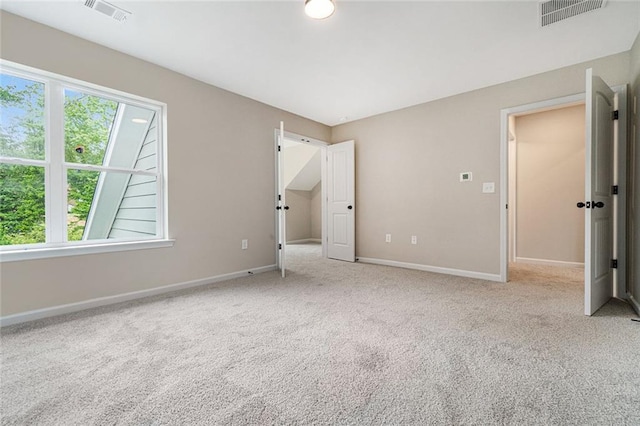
x=334, y=343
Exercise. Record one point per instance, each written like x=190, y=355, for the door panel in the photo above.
x=340, y=201
x=281, y=202
x=340, y=229
x=599, y=177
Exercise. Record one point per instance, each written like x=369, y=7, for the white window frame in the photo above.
x=56, y=170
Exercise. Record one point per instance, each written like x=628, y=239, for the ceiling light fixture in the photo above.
x=319, y=9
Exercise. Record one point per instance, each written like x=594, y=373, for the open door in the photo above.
x=281, y=206
x=340, y=201
x=599, y=230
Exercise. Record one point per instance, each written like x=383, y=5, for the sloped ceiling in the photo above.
x=309, y=176
x=302, y=166
x=369, y=58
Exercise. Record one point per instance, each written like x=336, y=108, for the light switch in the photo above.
x=488, y=187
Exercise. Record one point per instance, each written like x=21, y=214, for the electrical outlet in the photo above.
x=245, y=244
x=414, y=239
x=387, y=238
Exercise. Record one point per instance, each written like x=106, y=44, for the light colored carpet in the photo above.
x=334, y=343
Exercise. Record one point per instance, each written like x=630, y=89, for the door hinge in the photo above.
x=279, y=197
x=506, y=206
x=279, y=246
x=614, y=189
x=614, y=263
x=278, y=148
x=616, y=114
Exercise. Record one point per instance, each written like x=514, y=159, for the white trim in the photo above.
x=504, y=165
x=27, y=253
x=504, y=195
x=306, y=240
x=620, y=200
x=436, y=269
x=56, y=198
x=512, y=214
x=294, y=137
x=23, y=161
x=634, y=303
x=324, y=215
x=108, y=169
x=549, y=262
x=282, y=199
x=276, y=156
x=119, y=298
x=162, y=135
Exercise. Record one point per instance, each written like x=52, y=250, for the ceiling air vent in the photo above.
x=108, y=9
x=558, y=10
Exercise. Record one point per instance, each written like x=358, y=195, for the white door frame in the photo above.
x=294, y=137
x=620, y=173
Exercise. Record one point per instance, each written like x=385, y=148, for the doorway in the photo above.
x=546, y=180
x=300, y=192
x=333, y=190
x=303, y=192
x=601, y=112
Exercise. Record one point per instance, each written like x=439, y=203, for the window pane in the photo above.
x=21, y=118
x=88, y=121
x=22, y=211
x=104, y=205
x=99, y=131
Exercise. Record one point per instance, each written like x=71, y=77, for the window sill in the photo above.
x=48, y=252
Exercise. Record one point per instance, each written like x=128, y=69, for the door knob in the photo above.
x=598, y=204
x=286, y=207
x=349, y=207
x=580, y=205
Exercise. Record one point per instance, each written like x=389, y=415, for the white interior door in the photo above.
x=340, y=201
x=599, y=229
x=281, y=206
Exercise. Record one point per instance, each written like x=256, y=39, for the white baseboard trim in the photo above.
x=436, y=269
x=634, y=304
x=548, y=262
x=118, y=298
x=306, y=240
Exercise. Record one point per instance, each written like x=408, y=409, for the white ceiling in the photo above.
x=369, y=57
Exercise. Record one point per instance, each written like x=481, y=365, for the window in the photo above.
x=80, y=166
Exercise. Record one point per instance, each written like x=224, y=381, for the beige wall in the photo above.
x=304, y=217
x=549, y=182
x=212, y=134
x=298, y=215
x=634, y=176
x=316, y=212
x=408, y=164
